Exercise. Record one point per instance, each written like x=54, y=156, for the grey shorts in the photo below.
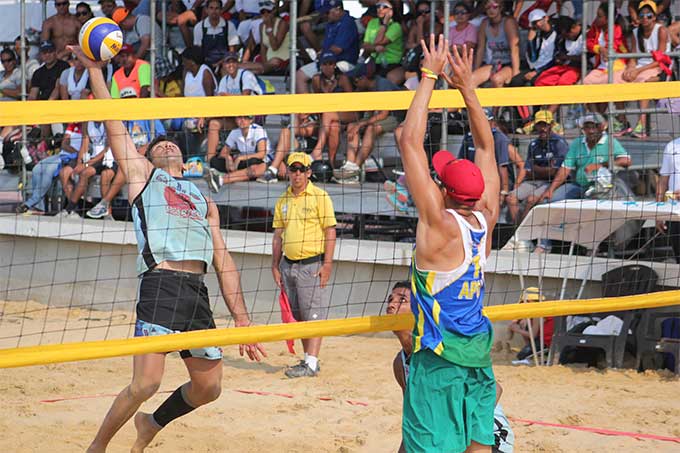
x=308, y=301
x=530, y=188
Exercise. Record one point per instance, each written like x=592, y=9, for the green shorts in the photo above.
x=447, y=406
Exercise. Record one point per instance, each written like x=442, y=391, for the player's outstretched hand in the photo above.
x=255, y=351
x=78, y=52
x=461, y=68
x=435, y=55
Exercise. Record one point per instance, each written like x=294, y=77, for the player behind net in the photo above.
x=178, y=237
x=451, y=391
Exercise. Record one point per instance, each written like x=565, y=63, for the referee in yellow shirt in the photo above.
x=304, y=236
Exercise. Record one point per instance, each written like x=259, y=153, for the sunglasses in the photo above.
x=646, y=15
x=265, y=11
x=297, y=168
x=384, y=6
x=81, y=13
x=423, y=11
x=60, y=3
x=459, y=12
x=7, y=60
x=492, y=6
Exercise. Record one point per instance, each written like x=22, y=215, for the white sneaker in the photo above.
x=348, y=170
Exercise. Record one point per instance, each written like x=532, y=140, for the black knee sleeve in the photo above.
x=173, y=407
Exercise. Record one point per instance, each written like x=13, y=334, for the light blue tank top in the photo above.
x=170, y=220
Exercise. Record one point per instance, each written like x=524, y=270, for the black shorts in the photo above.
x=175, y=300
x=100, y=167
x=220, y=163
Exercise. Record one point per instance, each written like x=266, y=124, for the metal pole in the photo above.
x=164, y=27
x=445, y=125
x=23, y=87
x=433, y=15
x=292, y=66
x=152, y=57
x=44, y=9
x=584, y=50
x=610, y=79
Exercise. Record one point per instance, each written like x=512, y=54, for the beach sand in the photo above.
x=354, y=405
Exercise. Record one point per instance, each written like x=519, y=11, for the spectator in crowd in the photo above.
x=649, y=36
x=73, y=145
x=567, y=67
x=199, y=80
x=384, y=43
x=523, y=17
x=585, y=157
x=31, y=63
x=501, y=147
x=521, y=327
x=136, y=31
x=312, y=22
x=42, y=176
x=545, y=155
x=597, y=40
x=249, y=20
x=497, y=56
x=107, y=7
x=331, y=80
x=541, y=48
x=61, y=29
x=302, y=254
x=73, y=82
x=133, y=78
x=341, y=38
x=367, y=129
x=44, y=80
x=669, y=181
x=275, y=46
x=305, y=132
x=235, y=82
x=102, y=162
x=215, y=35
x=420, y=27
x=662, y=11
x=10, y=77
x=83, y=13
x=463, y=32
x=246, y=147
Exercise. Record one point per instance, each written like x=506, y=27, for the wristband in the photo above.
x=429, y=75
x=429, y=71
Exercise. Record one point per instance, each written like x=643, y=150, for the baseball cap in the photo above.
x=461, y=178
x=230, y=56
x=328, y=57
x=299, y=158
x=47, y=46
x=590, y=118
x=329, y=5
x=127, y=48
x=535, y=15
x=649, y=3
x=128, y=92
x=267, y=4
x=362, y=70
x=119, y=14
x=543, y=116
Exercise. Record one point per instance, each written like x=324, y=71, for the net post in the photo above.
x=24, y=96
x=152, y=57
x=292, y=66
x=611, y=56
x=445, y=126
x=164, y=26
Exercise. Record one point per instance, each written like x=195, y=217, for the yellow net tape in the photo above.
x=68, y=352
x=46, y=112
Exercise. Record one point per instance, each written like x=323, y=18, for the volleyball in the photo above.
x=100, y=38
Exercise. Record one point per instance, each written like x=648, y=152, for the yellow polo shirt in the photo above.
x=304, y=218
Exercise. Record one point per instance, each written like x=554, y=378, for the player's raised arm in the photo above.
x=424, y=190
x=485, y=158
x=134, y=166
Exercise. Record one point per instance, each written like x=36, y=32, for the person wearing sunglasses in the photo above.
x=649, y=36
x=384, y=42
x=462, y=32
x=83, y=12
x=62, y=29
x=420, y=28
x=497, y=58
x=10, y=77
x=302, y=253
x=662, y=12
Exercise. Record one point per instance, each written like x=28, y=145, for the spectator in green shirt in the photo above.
x=586, y=156
x=384, y=42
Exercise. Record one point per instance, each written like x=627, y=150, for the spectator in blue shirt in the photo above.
x=341, y=38
x=545, y=155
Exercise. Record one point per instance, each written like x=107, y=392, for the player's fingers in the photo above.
x=261, y=349
x=241, y=349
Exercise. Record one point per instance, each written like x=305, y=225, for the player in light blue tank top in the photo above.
x=179, y=237
x=170, y=218
x=451, y=391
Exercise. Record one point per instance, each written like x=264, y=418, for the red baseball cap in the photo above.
x=126, y=48
x=461, y=178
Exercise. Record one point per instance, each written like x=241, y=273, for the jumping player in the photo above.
x=451, y=390
x=178, y=237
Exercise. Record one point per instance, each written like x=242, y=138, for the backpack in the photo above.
x=265, y=85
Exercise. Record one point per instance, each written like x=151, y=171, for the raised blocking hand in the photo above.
x=461, y=68
x=435, y=55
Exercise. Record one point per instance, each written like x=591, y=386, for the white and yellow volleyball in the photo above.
x=100, y=38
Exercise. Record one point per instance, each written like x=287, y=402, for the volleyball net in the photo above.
x=68, y=283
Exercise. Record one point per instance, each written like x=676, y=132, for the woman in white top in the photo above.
x=73, y=82
x=199, y=80
x=648, y=37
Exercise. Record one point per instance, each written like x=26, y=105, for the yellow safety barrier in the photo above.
x=41, y=355
x=46, y=112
